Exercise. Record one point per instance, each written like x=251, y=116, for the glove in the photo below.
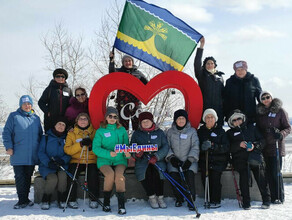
x=153, y=160
x=175, y=162
x=52, y=165
x=90, y=147
x=277, y=134
x=139, y=154
x=206, y=145
x=186, y=165
x=59, y=161
x=86, y=141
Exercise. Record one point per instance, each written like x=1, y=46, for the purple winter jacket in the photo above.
x=74, y=109
x=273, y=117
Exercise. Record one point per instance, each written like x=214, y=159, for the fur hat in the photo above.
x=234, y=115
x=180, y=112
x=111, y=110
x=82, y=114
x=209, y=111
x=263, y=93
x=127, y=56
x=145, y=115
x=240, y=64
x=25, y=98
x=60, y=71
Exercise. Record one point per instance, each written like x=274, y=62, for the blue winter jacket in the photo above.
x=51, y=146
x=154, y=137
x=22, y=133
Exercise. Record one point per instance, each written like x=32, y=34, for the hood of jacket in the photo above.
x=275, y=106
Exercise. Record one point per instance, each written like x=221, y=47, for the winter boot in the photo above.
x=161, y=202
x=153, y=202
x=62, y=199
x=46, y=202
x=106, y=201
x=121, y=203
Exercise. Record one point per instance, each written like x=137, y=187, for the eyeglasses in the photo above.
x=113, y=116
x=236, y=119
x=265, y=97
x=79, y=95
x=60, y=76
x=83, y=119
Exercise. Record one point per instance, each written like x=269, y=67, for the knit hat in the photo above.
x=234, y=115
x=60, y=71
x=206, y=60
x=263, y=93
x=61, y=119
x=82, y=114
x=127, y=56
x=180, y=112
x=145, y=115
x=25, y=98
x=111, y=110
x=240, y=64
x=209, y=111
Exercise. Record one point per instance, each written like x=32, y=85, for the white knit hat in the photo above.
x=263, y=93
x=236, y=114
x=209, y=111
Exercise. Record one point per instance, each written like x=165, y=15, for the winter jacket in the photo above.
x=73, y=146
x=183, y=144
x=54, y=100
x=242, y=94
x=248, y=133
x=218, y=154
x=51, y=146
x=211, y=85
x=273, y=117
x=74, y=109
x=22, y=133
x=158, y=137
x=105, y=141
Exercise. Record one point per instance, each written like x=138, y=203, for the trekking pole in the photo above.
x=85, y=179
x=236, y=189
x=175, y=184
x=81, y=185
x=72, y=182
x=278, y=171
x=207, y=192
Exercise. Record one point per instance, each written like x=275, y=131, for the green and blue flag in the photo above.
x=155, y=36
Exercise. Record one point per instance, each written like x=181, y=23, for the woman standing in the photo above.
x=55, y=99
x=210, y=81
x=77, y=104
x=244, y=138
x=273, y=122
x=214, y=148
x=146, y=172
x=21, y=136
x=51, y=154
x=79, y=146
x=183, y=152
x=112, y=164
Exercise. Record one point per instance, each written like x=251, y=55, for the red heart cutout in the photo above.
x=124, y=81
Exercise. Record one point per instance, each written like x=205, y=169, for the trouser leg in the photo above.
x=93, y=180
x=244, y=187
x=120, y=178
x=51, y=183
x=177, y=178
x=109, y=177
x=71, y=169
x=259, y=175
x=215, y=186
x=152, y=183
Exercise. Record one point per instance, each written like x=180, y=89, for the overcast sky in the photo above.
x=257, y=31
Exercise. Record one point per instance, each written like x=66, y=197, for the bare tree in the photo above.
x=3, y=111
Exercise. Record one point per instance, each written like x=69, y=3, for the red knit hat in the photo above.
x=145, y=115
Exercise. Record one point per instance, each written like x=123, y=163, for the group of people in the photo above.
x=71, y=144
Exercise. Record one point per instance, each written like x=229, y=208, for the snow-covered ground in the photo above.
x=139, y=209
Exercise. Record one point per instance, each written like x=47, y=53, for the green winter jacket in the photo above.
x=104, y=142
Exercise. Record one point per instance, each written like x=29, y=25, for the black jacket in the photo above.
x=54, y=100
x=242, y=94
x=211, y=86
x=248, y=133
x=218, y=154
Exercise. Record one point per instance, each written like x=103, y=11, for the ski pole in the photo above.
x=236, y=189
x=85, y=179
x=278, y=170
x=81, y=185
x=207, y=192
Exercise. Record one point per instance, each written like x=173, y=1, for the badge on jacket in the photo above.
x=65, y=93
x=183, y=136
x=108, y=134
x=236, y=133
x=153, y=137
x=213, y=134
x=272, y=115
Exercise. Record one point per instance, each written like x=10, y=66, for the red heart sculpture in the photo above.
x=124, y=81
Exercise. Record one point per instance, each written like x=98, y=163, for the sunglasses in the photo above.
x=60, y=76
x=265, y=97
x=79, y=95
x=236, y=119
x=113, y=116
